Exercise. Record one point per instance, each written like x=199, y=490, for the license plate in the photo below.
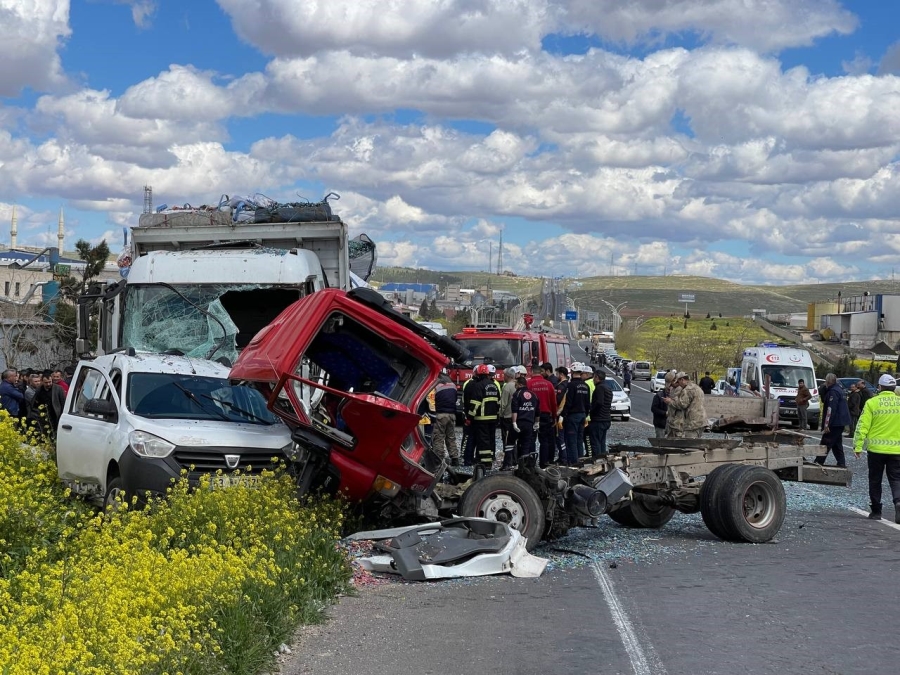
x=229, y=480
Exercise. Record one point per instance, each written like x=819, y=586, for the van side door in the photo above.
x=84, y=438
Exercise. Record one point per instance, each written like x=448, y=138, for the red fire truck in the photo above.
x=504, y=347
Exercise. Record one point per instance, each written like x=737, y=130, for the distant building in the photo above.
x=17, y=281
x=862, y=321
x=412, y=294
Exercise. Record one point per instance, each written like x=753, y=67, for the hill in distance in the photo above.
x=654, y=295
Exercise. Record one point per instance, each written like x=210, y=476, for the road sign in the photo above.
x=592, y=316
x=60, y=271
x=686, y=297
x=571, y=315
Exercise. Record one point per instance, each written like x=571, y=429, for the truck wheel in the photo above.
x=624, y=516
x=509, y=500
x=752, y=504
x=114, y=490
x=638, y=514
x=709, y=499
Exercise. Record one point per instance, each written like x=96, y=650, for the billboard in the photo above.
x=685, y=297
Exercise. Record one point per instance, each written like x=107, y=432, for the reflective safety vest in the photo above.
x=879, y=425
x=484, y=401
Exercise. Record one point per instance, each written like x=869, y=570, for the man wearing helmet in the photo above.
x=482, y=409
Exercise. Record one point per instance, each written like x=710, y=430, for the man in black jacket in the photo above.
x=578, y=404
x=601, y=405
x=706, y=383
x=660, y=410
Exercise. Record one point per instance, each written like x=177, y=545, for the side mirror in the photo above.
x=101, y=407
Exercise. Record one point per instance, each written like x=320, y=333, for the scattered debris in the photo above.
x=458, y=547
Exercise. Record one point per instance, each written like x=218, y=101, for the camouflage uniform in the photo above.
x=689, y=411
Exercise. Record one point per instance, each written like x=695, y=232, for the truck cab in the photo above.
x=133, y=422
x=348, y=374
x=779, y=369
x=204, y=288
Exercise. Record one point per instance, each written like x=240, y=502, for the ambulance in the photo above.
x=781, y=368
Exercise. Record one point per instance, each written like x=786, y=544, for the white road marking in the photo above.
x=852, y=508
x=642, y=662
x=882, y=521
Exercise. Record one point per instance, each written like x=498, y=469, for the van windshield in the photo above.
x=174, y=396
x=787, y=376
x=502, y=353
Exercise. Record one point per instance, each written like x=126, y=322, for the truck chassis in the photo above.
x=735, y=485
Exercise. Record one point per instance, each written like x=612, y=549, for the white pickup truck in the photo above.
x=132, y=422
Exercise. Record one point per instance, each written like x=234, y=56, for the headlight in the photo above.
x=148, y=445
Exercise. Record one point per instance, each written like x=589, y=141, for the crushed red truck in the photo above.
x=348, y=374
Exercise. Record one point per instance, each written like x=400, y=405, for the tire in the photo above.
x=624, y=516
x=709, y=499
x=638, y=514
x=506, y=499
x=752, y=504
x=113, y=489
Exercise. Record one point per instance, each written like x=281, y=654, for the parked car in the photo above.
x=621, y=403
x=643, y=370
x=133, y=422
x=847, y=381
x=658, y=383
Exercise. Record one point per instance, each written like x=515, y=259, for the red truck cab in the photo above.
x=349, y=375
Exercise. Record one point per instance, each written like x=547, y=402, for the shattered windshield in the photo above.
x=198, y=320
x=172, y=396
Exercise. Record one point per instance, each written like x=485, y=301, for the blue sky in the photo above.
x=756, y=141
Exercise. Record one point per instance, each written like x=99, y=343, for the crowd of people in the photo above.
x=35, y=398
x=559, y=414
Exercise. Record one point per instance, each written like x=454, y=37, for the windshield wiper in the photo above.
x=237, y=409
x=191, y=395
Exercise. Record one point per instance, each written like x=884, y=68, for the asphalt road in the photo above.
x=820, y=598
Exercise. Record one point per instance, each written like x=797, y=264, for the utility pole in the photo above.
x=490, y=256
x=500, y=255
x=610, y=264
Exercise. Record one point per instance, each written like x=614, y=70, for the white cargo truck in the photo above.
x=201, y=285
x=775, y=371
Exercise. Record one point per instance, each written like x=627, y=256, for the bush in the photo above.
x=205, y=581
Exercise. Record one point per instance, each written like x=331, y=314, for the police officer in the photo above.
x=879, y=430
x=483, y=409
x=525, y=410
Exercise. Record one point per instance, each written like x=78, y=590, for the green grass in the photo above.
x=695, y=349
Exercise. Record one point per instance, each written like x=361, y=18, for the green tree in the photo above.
x=424, y=313
x=72, y=287
x=434, y=311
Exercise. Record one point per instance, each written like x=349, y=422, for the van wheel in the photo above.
x=115, y=495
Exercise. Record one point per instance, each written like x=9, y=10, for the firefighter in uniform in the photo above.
x=468, y=437
x=879, y=429
x=483, y=408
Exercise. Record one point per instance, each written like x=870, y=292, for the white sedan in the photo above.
x=658, y=383
x=621, y=404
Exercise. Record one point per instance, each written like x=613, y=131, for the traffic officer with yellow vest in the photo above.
x=482, y=398
x=879, y=430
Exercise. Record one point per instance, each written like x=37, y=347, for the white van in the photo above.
x=133, y=422
x=785, y=367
